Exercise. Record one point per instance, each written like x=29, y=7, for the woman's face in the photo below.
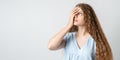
x=79, y=18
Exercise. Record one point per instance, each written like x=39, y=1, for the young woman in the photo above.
x=82, y=38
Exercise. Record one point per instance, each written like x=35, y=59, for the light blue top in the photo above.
x=73, y=52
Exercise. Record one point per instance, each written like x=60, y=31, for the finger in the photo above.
x=75, y=14
x=75, y=9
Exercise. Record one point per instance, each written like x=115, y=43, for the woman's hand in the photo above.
x=72, y=16
x=57, y=41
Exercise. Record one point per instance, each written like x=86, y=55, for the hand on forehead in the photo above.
x=77, y=9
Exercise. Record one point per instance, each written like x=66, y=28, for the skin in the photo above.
x=82, y=35
x=76, y=18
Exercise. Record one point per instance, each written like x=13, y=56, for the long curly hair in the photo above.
x=103, y=50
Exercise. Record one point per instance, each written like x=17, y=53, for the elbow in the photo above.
x=51, y=47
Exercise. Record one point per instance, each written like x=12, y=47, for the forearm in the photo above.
x=56, y=40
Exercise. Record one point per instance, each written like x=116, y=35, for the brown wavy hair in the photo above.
x=103, y=50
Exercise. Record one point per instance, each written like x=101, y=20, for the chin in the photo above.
x=78, y=24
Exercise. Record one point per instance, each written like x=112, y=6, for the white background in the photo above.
x=27, y=25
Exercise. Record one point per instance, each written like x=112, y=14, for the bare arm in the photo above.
x=57, y=42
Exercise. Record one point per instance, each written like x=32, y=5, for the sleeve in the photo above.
x=66, y=36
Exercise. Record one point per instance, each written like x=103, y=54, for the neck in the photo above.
x=81, y=31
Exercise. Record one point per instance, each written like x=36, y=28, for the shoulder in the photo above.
x=92, y=41
x=69, y=35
